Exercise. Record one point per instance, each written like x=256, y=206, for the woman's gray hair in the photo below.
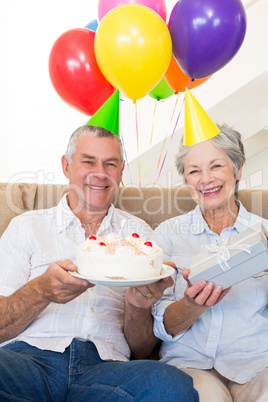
x=228, y=140
x=93, y=131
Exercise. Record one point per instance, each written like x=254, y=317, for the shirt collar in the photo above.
x=106, y=222
x=243, y=218
x=65, y=217
x=198, y=221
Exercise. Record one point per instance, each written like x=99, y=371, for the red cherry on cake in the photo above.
x=92, y=238
x=102, y=244
x=148, y=243
x=135, y=235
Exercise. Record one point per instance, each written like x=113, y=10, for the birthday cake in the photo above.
x=119, y=258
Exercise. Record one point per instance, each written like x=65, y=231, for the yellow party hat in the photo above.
x=198, y=125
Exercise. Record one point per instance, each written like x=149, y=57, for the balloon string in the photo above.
x=159, y=159
x=171, y=139
x=191, y=80
x=151, y=139
x=137, y=135
x=125, y=153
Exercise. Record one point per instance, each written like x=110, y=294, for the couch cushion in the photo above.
x=11, y=205
x=153, y=204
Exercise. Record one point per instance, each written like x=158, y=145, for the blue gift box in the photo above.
x=232, y=261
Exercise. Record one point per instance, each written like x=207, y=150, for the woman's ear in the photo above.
x=65, y=166
x=239, y=173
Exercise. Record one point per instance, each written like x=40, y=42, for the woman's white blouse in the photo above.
x=232, y=336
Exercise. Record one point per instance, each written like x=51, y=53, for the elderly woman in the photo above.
x=219, y=337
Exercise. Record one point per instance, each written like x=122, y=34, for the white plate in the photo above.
x=165, y=272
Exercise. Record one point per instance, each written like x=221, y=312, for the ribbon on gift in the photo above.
x=223, y=252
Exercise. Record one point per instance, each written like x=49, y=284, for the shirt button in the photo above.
x=233, y=375
x=214, y=336
x=92, y=310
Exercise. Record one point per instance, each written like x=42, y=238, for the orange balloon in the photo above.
x=177, y=80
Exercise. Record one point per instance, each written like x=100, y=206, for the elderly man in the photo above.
x=62, y=337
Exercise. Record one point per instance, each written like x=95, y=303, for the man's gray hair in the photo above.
x=93, y=131
x=228, y=140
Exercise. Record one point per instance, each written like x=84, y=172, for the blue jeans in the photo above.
x=78, y=375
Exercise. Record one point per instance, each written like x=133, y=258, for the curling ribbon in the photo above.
x=151, y=139
x=137, y=135
x=159, y=159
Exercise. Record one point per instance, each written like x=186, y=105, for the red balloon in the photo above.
x=75, y=74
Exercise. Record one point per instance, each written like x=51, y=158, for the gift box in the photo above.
x=233, y=260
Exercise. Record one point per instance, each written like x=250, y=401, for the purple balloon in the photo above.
x=206, y=34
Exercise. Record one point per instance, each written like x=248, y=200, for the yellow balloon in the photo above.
x=133, y=48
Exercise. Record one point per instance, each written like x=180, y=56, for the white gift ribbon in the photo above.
x=223, y=252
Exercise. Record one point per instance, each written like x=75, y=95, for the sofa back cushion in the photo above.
x=11, y=205
x=152, y=204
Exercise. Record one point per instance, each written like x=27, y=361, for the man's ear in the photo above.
x=65, y=166
x=122, y=169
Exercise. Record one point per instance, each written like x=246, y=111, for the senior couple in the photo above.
x=64, y=339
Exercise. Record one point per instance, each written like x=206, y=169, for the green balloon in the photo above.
x=161, y=91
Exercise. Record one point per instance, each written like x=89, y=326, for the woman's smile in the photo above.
x=211, y=191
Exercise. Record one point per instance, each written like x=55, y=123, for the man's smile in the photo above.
x=97, y=187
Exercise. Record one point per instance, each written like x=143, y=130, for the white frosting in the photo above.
x=97, y=248
x=149, y=250
x=132, y=259
x=136, y=241
x=111, y=237
x=126, y=251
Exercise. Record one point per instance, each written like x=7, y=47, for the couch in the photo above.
x=153, y=204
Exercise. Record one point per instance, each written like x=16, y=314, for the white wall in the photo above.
x=255, y=172
x=35, y=124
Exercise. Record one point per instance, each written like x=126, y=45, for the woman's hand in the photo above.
x=203, y=293
x=180, y=315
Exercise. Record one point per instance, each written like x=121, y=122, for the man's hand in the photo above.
x=146, y=295
x=58, y=286
x=138, y=325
